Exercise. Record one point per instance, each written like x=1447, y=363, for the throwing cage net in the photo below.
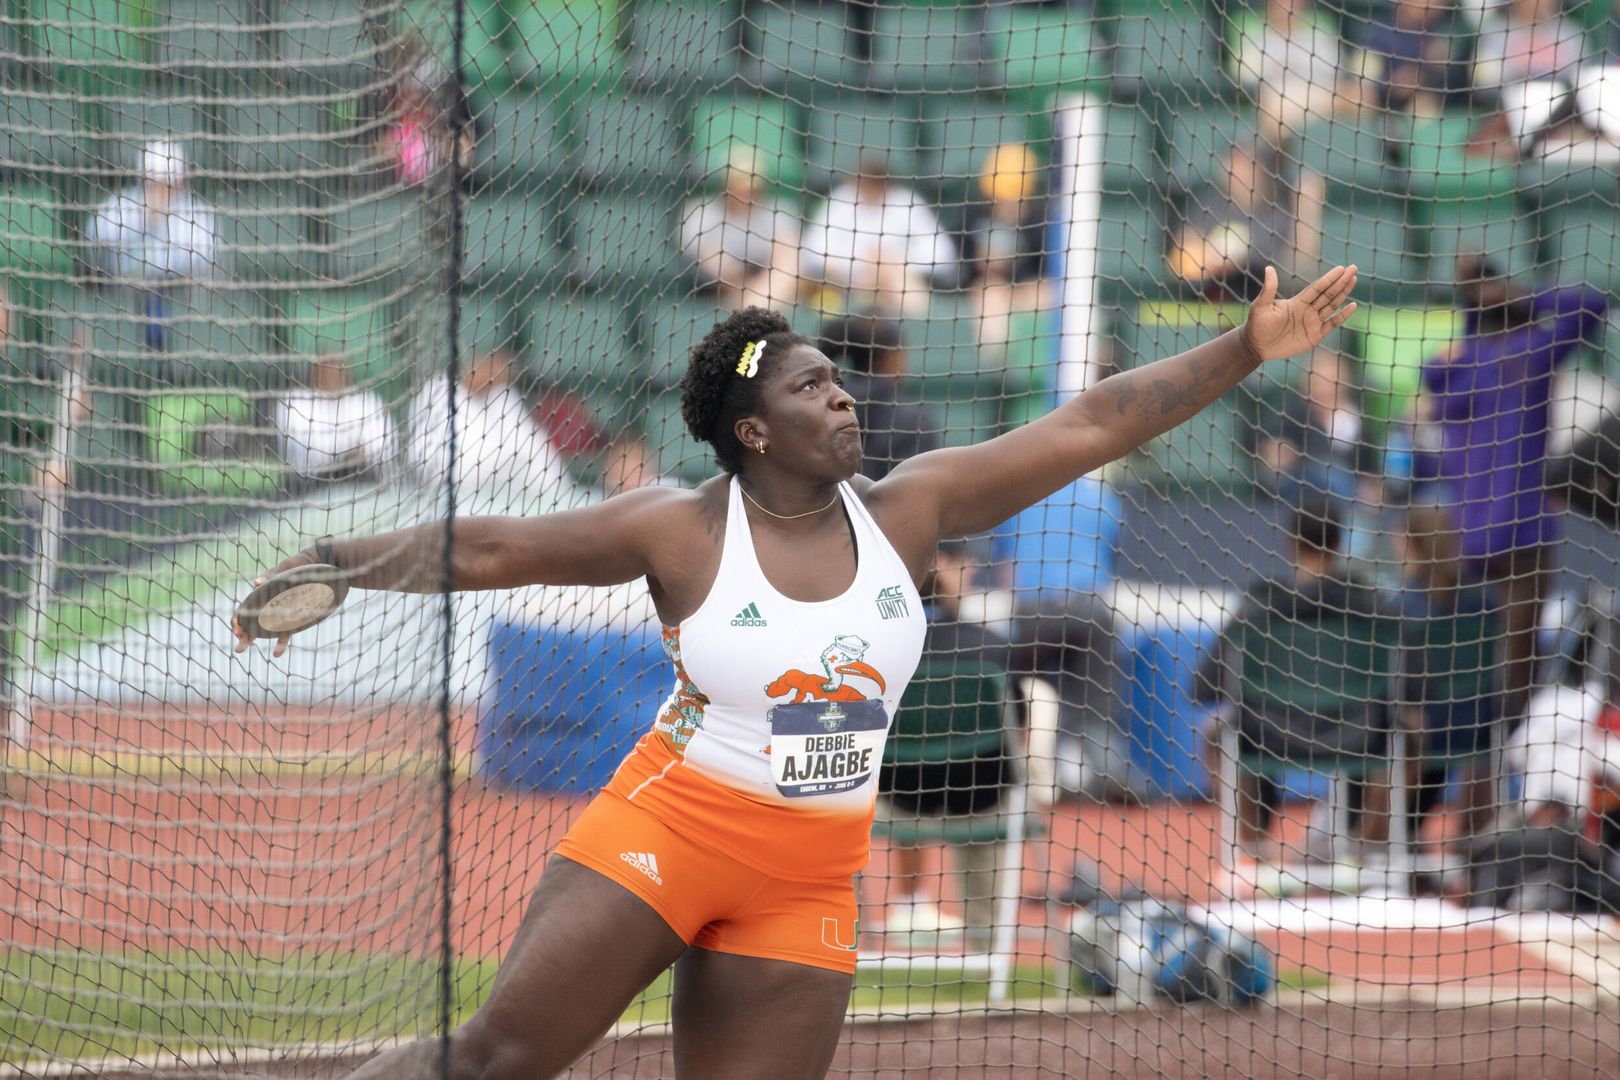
x=1288, y=743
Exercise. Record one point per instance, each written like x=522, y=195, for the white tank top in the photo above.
x=789, y=700
x=769, y=745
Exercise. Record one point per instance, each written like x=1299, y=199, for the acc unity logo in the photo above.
x=748, y=616
x=891, y=602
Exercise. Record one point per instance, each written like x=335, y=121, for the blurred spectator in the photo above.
x=333, y=430
x=1420, y=57
x=1316, y=441
x=567, y=419
x=744, y=245
x=498, y=440
x=1528, y=39
x=157, y=232
x=871, y=359
x=1290, y=63
x=1488, y=394
x=629, y=463
x=1005, y=246
x=1448, y=700
x=1568, y=747
x=957, y=788
x=879, y=240
x=1227, y=241
x=1302, y=671
x=1566, y=128
x=422, y=115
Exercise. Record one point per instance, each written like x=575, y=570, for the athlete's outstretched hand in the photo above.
x=1282, y=328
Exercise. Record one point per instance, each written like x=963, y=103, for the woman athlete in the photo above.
x=728, y=840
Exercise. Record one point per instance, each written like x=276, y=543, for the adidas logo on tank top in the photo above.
x=748, y=616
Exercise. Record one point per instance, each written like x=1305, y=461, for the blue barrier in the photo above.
x=567, y=706
x=1161, y=720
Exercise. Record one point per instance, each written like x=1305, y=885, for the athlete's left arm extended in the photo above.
x=972, y=488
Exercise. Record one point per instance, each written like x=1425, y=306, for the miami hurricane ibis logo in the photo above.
x=840, y=661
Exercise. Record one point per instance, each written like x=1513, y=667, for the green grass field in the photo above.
x=83, y=1005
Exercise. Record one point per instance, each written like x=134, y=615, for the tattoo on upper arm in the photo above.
x=713, y=511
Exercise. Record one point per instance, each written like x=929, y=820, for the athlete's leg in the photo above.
x=746, y=1018
x=586, y=947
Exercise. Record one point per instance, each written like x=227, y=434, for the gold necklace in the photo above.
x=786, y=517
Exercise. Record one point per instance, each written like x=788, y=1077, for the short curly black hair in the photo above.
x=714, y=396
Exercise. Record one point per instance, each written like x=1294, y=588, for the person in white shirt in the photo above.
x=742, y=243
x=157, y=232
x=333, y=430
x=497, y=437
x=881, y=241
x=1291, y=64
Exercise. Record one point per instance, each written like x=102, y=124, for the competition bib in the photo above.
x=821, y=747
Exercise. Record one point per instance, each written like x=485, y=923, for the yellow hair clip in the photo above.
x=748, y=366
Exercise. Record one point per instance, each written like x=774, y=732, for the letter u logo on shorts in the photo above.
x=832, y=937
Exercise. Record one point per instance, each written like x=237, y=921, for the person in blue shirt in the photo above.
x=1488, y=393
x=1422, y=55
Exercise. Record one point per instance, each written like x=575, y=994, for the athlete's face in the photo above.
x=808, y=418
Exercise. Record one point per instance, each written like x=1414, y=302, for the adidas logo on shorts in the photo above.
x=748, y=616
x=645, y=862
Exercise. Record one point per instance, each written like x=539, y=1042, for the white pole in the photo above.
x=1081, y=126
x=55, y=478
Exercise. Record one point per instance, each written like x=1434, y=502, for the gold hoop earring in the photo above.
x=760, y=446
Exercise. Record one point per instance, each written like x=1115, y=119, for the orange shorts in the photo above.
x=710, y=899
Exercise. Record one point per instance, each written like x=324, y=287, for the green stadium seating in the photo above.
x=1377, y=243
x=218, y=337
x=844, y=129
x=88, y=34
x=484, y=26
x=353, y=324
x=926, y=48
x=526, y=146
x=1210, y=449
x=204, y=443
x=794, y=45
x=678, y=453
x=564, y=45
x=624, y=238
x=725, y=124
x=1131, y=237
x=485, y=322
x=130, y=125
x=1198, y=141
x=325, y=39
x=263, y=234
x=1130, y=153
x=31, y=239
x=627, y=140
x=43, y=132
x=1460, y=202
x=1580, y=212
x=682, y=45
x=209, y=36
x=960, y=132
x=945, y=344
x=1583, y=244
x=1351, y=158
x=673, y=325
x=1167, y=59
x=510, y=240
x=279, y=135
x=1395, y=342
x=585, y=344
x=1050, y=48
x=377, y=238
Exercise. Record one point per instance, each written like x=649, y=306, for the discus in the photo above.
x=292, y=601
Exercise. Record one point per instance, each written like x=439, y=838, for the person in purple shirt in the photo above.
x=1488, y=393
